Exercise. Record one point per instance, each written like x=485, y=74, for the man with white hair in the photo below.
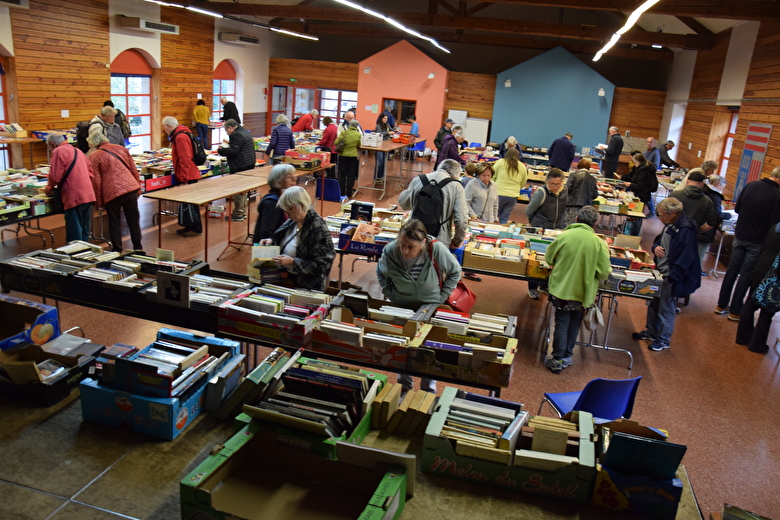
x=71, y=171
x=306, y=122
x=455, y=210
x=240, y=153
x=105, y=121
x=450, y=147
x=229, y=110
x=186, y=172
x=349, y=115
x=612, y=153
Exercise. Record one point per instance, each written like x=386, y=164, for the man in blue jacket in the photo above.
x=677, y=259
x=562, y=152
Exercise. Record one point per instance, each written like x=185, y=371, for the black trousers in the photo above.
x=348, y=171
x=748, y=334
x=127, y=203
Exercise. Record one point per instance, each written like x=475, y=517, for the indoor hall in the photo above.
x=705, y=390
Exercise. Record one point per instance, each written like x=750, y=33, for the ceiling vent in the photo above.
x=147, y=25
x=15, y=3
x=240, y=39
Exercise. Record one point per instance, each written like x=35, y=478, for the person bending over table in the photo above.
x=408, y=274
x=269, y=215
x=580, y=260
x=307, y=251
x=640, y=185
x=510, y=175
x=546, y=210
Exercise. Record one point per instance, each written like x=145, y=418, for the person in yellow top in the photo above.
x=510, y=177
x=201, y=114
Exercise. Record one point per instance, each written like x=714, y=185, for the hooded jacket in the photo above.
x=398, y=285
x=684, y=267
x=580, y=261
x=546, y=210
x=698, y=207
x=581, y=187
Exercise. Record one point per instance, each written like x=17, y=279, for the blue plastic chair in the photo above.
x=475, y=145
x=606, y=399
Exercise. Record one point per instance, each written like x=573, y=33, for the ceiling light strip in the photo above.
x=632, y=19
x=394, y=23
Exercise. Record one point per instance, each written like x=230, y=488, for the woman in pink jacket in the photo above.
x=117, y=186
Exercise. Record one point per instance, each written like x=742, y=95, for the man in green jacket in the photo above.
x=580, y=260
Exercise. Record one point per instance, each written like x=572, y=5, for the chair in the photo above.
x=475, y=145
x=606, y=399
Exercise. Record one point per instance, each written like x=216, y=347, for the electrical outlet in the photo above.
x=689, y=145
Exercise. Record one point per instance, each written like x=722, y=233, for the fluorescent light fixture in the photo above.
x=165, y=4
x=394, y=23
x=656, y=46
x=203, y=11
x=293, y=33
x=632, y=19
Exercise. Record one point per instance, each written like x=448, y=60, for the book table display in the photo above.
x=386, y=147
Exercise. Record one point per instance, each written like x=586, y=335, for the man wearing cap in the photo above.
x=443, y=131
x=698, y=207
x=562, y=152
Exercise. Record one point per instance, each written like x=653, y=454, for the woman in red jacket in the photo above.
x=117, y=186
x=326, y=144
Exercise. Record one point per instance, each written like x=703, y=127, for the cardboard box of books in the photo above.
x=163, y=417
x=272, y=313
x=645, y=282
x=485, y=360
x=45, y=375
x=14, y=211
x=489, y=261
x=258, y=476
x=476, y=438
x=638, y=471
x=324, y=157
x=365, y=340
x=312, y=407
x=25, y=321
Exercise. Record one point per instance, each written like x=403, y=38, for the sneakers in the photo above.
x=191, y=234
x=721, y=310
x=344, y=199
x=658, y=346
x=181, y=231
x=543, y=290
x=642, y=335
x=472, y=276
x=555, y=365
x=235, y=219
x=566, y=362
x=733, y=317
x=533, y=295
x=760, y=350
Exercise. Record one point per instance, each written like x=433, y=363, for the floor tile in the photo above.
x=18, y=502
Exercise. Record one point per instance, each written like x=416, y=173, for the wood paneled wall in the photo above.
x=474, y=93
x=187, y=67
x=61, y=56
x=638, y=111
x=308, y=73
x=701, y=110
x=761, y=101
x=255, y=122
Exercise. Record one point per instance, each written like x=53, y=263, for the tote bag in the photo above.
x=767, y=294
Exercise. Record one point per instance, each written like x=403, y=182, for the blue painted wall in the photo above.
x=552, y=94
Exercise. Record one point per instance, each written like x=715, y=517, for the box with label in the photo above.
x=494, y=264
x=256, y=476
x=42, y=377
x=646, y=282
x=570, y=483
x=16, y=211
x=324, y=157
x=496, y=371
x=159, y=182
x=24, y=321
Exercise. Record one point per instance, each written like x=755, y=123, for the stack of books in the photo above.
x=287, y=306
x=471, y=355
x=49, y=261
x=462, y=322
x=484, y=427
x=547, y=444
x=318, y=396
x=408, y=417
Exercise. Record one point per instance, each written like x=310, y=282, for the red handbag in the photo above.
x=461, y=298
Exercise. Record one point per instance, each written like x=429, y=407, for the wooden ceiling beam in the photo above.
x=734, y=9
x=480, y=39
x=477, y=8
x=426, y=22
x=694, y=25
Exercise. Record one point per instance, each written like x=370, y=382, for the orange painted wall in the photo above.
x=401, y=72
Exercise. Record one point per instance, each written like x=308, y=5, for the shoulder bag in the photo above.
x=57, y=205
x=767, y=294
x=461, y=298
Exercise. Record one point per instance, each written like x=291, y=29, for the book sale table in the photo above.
x=386, y=146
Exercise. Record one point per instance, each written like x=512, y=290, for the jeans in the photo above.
x=651, y=206
x=661, y=313
x=127, y=203
x=77, y=222
x=567, y=327
x=203, y=132
x=703, y=246
x=505, y=207
x=379, y=172
x=635, y=228
x=348, y=170
x=428, y=385
x=744, y=256
x=748, y=334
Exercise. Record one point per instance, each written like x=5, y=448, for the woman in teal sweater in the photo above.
x=580, y=260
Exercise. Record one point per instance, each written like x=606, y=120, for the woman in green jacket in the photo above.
x=348, y=158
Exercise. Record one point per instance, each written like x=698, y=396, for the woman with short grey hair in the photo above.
x=269, y=215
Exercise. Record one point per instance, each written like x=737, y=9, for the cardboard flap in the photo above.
x=369, y=457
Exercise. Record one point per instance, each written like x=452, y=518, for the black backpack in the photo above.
x=198, y=153
x=429, y=205
x=82, y=132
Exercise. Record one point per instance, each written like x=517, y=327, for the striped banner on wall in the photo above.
x=756, y=144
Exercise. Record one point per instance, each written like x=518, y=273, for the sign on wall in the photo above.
x=753, y=155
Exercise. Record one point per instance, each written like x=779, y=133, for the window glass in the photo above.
x=118, y=85
x=132, y=95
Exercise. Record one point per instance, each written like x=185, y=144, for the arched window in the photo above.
x=224, y=86
x=131, y=92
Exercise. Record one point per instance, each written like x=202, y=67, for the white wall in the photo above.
x=677, y=93
x=737, y=65
x=250, y=61
x=121, y=39
x=6, y=36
